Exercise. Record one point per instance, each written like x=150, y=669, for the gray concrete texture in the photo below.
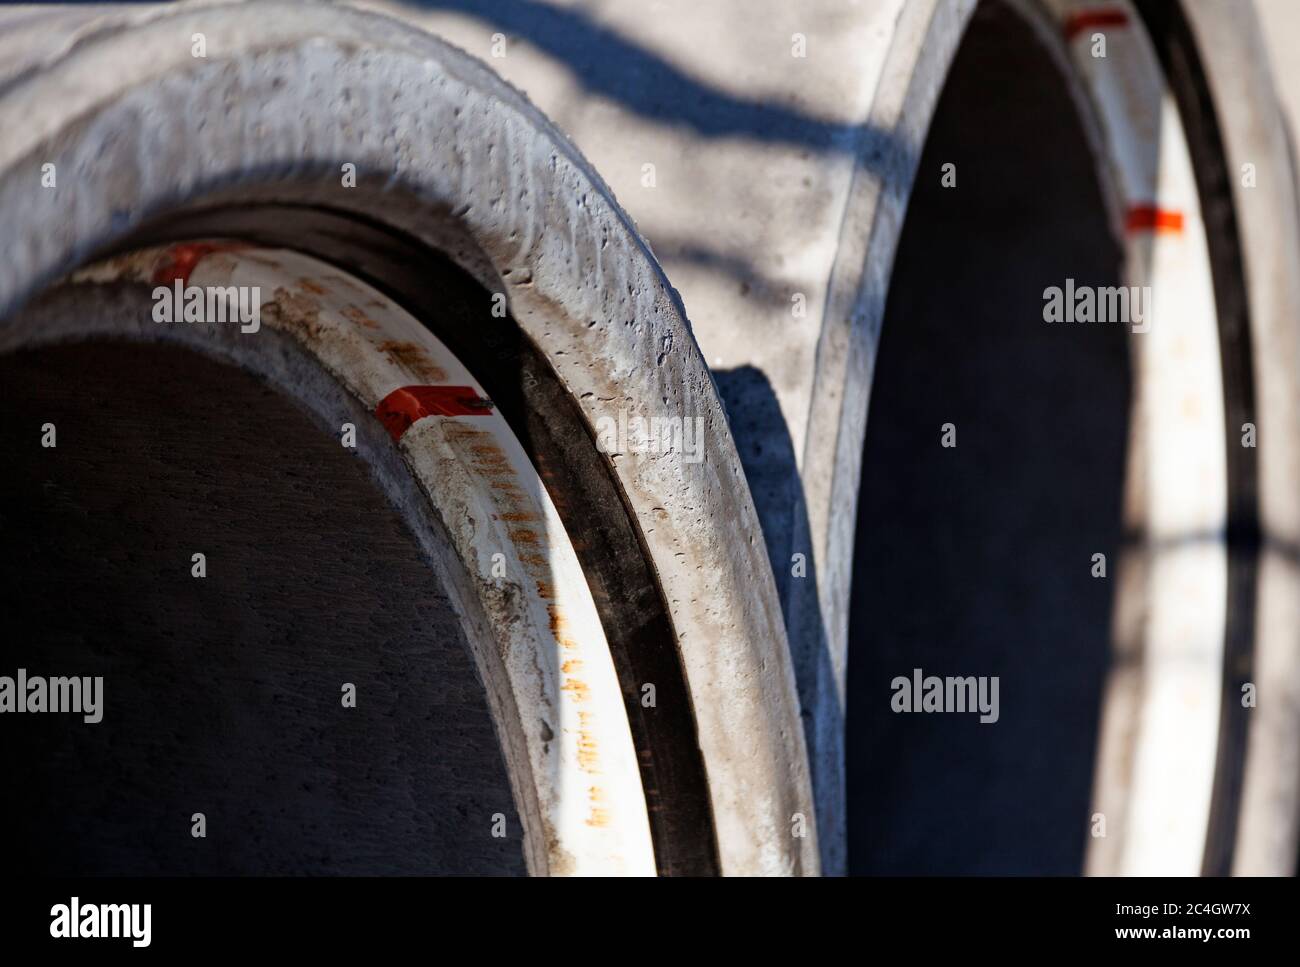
x=749, y=148
x=766, y=152
x=767, y=157
x=586, y=290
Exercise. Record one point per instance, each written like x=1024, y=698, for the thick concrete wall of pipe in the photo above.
x=512, y=203
x=774, y=188
x=872, y=452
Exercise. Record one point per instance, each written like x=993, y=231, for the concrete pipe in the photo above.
x=1087, y=515
x=998, y=300
x=566, y=654
x=787, y=163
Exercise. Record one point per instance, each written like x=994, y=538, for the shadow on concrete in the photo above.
x=616, y=67
x=767, y=455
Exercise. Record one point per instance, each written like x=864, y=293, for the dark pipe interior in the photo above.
x=223, y=695
x=975, y=561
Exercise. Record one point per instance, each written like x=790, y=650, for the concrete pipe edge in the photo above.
x=1233, y=57
x=924, y=42
x=117, y=110
x=809, y=170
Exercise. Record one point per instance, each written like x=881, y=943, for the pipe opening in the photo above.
x=223, y=695
x=975, y=561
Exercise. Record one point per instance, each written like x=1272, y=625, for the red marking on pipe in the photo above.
x=1077, y=23
x=180, y=260
x=1150, y=218
x=402, y=407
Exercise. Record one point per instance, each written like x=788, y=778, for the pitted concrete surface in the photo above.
x=773, y=176
x=443, y=149
x=778, y=135
x=753, y=134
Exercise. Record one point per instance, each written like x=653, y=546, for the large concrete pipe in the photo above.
x=1115, y=165
x=865, y=208
x=1111, y=146
x=385, y=194
x=773, y=159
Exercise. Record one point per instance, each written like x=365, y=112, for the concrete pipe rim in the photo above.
x=532, y=625
x=589, y=296
x=1144, y=205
